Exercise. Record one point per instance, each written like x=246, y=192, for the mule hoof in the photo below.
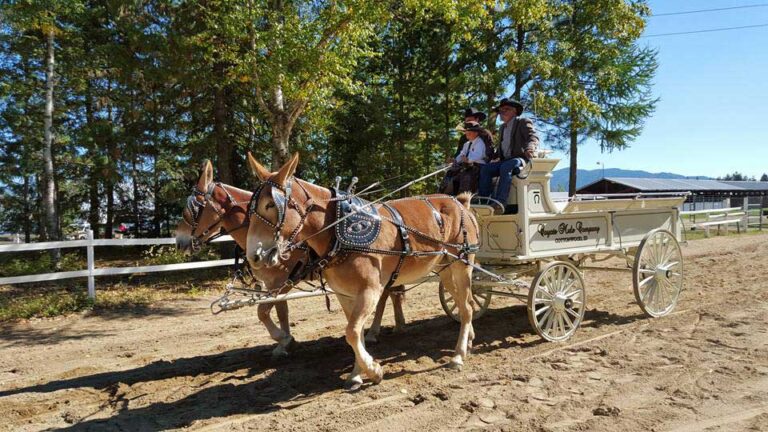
x=454, y=365
x=398, y=329
x=353, y=384
x=292, y=344
x=376, y=374
x=279, y=353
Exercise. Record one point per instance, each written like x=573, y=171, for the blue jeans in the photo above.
x=504, y=170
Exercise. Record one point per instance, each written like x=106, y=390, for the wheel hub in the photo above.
x=561, y=302
x=662, y=273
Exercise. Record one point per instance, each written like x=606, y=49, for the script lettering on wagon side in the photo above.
x=566, y=232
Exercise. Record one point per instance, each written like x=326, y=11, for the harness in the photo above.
x=196, y=208
x=356, y=226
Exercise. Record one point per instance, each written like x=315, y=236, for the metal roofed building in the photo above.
x=704, y=193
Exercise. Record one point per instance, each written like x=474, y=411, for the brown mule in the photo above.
x=285, y=211
x=214, y=206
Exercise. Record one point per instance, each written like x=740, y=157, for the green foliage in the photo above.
x=160, y=255
x=146, y=90
x=45, y=304
x=41, y=263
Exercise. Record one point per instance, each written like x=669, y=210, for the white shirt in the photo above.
x=474, y=151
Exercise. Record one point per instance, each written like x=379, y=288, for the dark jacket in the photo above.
x=523, y=137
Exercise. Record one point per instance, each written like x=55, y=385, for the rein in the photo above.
x=196, y=208
x=284, y=201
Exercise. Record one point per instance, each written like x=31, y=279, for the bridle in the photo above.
x=283, y=199
x=195, y=208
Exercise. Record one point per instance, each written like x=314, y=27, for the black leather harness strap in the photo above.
x=406, y=243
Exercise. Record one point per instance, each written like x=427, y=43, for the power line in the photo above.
x=705, y=31
x=710, y=10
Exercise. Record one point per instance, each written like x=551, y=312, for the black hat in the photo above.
x=473, y=112
x=512, y=103
x=469, y=126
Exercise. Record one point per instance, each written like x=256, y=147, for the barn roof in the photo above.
x=642, y=184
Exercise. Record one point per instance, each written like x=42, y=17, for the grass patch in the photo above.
x=701, y=234
x=113, y=294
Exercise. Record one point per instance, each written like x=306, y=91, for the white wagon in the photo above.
x=551, y=241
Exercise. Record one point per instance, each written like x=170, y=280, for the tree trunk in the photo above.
x=520, y=46
x=281, y=131
x=27, y=211
x=93, y=177
x=224, y=145
x=49, y=187
x=157, y=207
x=136, y=196
x=574, y=132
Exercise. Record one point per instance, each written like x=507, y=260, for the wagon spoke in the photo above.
x=646, y=280
x=572, y=312
x=567, y=321
x=548, y=321
x=543, y=309
x=646, y=271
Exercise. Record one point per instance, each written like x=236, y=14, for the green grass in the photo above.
x=700, y=234
x=113, y=295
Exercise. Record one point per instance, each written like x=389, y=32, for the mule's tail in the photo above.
x=464, y=198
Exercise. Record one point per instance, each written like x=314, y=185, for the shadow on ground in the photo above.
x=255, y=383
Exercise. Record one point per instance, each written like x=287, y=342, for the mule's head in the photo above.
x=273, y=214
x=201, y=218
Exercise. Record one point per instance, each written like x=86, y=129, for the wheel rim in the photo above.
x=481, y=299
x=658, y=273
x=556, y=302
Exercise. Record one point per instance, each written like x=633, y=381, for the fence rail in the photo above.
x=740, y=216
x=91, y=271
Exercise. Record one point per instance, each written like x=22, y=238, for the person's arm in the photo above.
x=463, y=153
x=530, y=137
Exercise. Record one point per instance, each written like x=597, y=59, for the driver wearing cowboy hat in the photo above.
x=516, y=148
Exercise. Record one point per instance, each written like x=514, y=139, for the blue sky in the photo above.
x=711, y=119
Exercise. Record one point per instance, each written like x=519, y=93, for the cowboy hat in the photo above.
x=469, y=126
x=474, y=112
x=511, y=103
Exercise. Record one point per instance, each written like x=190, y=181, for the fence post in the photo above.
x=91, y=282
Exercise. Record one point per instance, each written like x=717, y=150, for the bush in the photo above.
x=72, y=262
x=161, y=255
x=46, y=304
x=26, y=266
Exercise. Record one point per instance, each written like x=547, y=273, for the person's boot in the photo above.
x=510, y=209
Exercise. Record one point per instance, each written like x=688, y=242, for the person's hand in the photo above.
x=530, y=153
x=463, y=159
x=495, y=160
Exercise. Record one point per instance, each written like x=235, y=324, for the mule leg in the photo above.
x=280, y=335
x=459, y=281
x=398, y=297
x=372, y=335
x=355, y=379
x=364, y=305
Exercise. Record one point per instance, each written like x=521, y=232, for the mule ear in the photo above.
x=287, y=170
x=258, y=169
x=206, y=176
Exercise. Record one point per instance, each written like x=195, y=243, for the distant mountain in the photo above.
x=559, y=180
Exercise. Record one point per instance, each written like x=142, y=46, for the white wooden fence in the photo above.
x=741, y=217
x=91, y=271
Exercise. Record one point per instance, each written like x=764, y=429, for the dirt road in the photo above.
x=705, y=367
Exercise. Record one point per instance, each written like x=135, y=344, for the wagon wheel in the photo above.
x=556, y=301
x=481, y=299
x=657, y=274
